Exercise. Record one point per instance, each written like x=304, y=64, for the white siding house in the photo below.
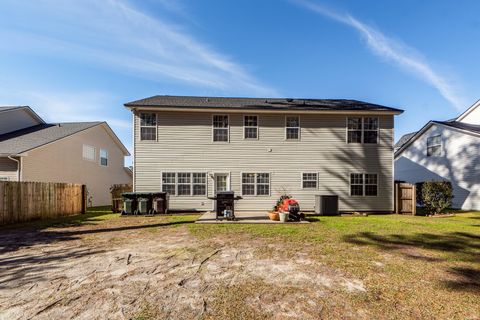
x=192, y=147
x=448, y=150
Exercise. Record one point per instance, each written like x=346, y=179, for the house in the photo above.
x=192, y=147
x=76, y=152
x=445, y=150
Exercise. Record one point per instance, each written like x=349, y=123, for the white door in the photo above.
x=222, y=182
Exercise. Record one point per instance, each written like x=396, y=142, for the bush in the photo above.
x=435, y=196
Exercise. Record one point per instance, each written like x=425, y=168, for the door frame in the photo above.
x=214, y=176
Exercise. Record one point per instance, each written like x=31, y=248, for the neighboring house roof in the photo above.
x=461, y=125
x=468, y=111
x=465, y=127
x=186, y=102
x=403, y=140
x=20, y=141
x=27, y=108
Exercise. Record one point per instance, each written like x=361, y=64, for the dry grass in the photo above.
x=383, y=267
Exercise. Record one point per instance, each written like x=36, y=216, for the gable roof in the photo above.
x=185, y=102
x=468, y=111
x=403, y=140
x=20, y=141
x=465, y=127
x=460, y=125
x=26, y=108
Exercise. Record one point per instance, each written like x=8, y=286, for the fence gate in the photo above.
x=405, y=198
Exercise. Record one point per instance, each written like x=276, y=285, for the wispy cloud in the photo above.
x=117, y=35
x=395, y=51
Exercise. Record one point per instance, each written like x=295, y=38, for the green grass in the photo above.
x=93, y=215
x=412, y=266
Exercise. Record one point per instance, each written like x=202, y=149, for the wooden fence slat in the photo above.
x=405, y=198
x=25, y=201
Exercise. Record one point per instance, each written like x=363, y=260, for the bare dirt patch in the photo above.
x=147, y=268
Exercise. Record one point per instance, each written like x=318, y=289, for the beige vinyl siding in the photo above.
x=62, y=161
x=8, y=169
x=185, y=144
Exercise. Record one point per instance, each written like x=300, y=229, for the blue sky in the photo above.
x=81, y=60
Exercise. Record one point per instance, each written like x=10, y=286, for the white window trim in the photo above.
x=100, y=157
x=140, y=127
x=436, y=145
x=257, y=127
x=363, y=185
x=191, y=172
x=228, y=128
x=255, y=184
x=301, y=180
x=94, y=153
x=299, y=127
x=362, y=131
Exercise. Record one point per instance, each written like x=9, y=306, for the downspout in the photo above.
x=18, y=166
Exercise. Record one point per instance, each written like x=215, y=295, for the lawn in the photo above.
x=380, y=266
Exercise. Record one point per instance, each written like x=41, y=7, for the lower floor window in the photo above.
x=363, y=184
x=255, y=184
x=185, y=183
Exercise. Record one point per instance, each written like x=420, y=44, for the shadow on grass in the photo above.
x=15, y=237
x=462, y=245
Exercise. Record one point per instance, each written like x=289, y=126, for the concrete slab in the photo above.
x=243, y=218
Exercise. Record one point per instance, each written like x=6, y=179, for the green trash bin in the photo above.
x=128, y=206
x=143, y=206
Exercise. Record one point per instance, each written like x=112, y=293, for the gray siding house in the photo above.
x=192, y=147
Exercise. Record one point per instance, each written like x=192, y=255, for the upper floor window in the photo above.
x=363, y=184
x=103, y=157
x=434, y=146
x=220, y=128
x=362, y=130
x=292, y=128
x=89, y=152
x=148, y=126
x=255, y=184
x=4, y=179
x=309, y=180
x=250, y=127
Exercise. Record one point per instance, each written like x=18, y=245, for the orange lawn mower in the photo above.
x=292, y=207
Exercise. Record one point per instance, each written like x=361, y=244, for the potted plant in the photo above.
x=273, y=215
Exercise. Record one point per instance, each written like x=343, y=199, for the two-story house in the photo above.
x=445, y=150
x=76, y=152
x=192, y=147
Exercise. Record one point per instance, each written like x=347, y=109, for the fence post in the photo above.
x=84, y=199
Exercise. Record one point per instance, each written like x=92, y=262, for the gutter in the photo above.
x=19, y=165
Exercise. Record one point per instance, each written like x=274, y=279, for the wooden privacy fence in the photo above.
x=405, y=198
x=25, y=201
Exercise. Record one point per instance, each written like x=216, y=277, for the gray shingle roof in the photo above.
x=5, y=108
x=461, y=125
x=20, y=141
x=258, y=103
x=403, y=140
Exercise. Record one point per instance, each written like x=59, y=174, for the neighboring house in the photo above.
x=192, y=147
x=445, y=150
x=78, y=152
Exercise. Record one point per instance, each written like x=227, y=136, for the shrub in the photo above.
x=436, y=196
